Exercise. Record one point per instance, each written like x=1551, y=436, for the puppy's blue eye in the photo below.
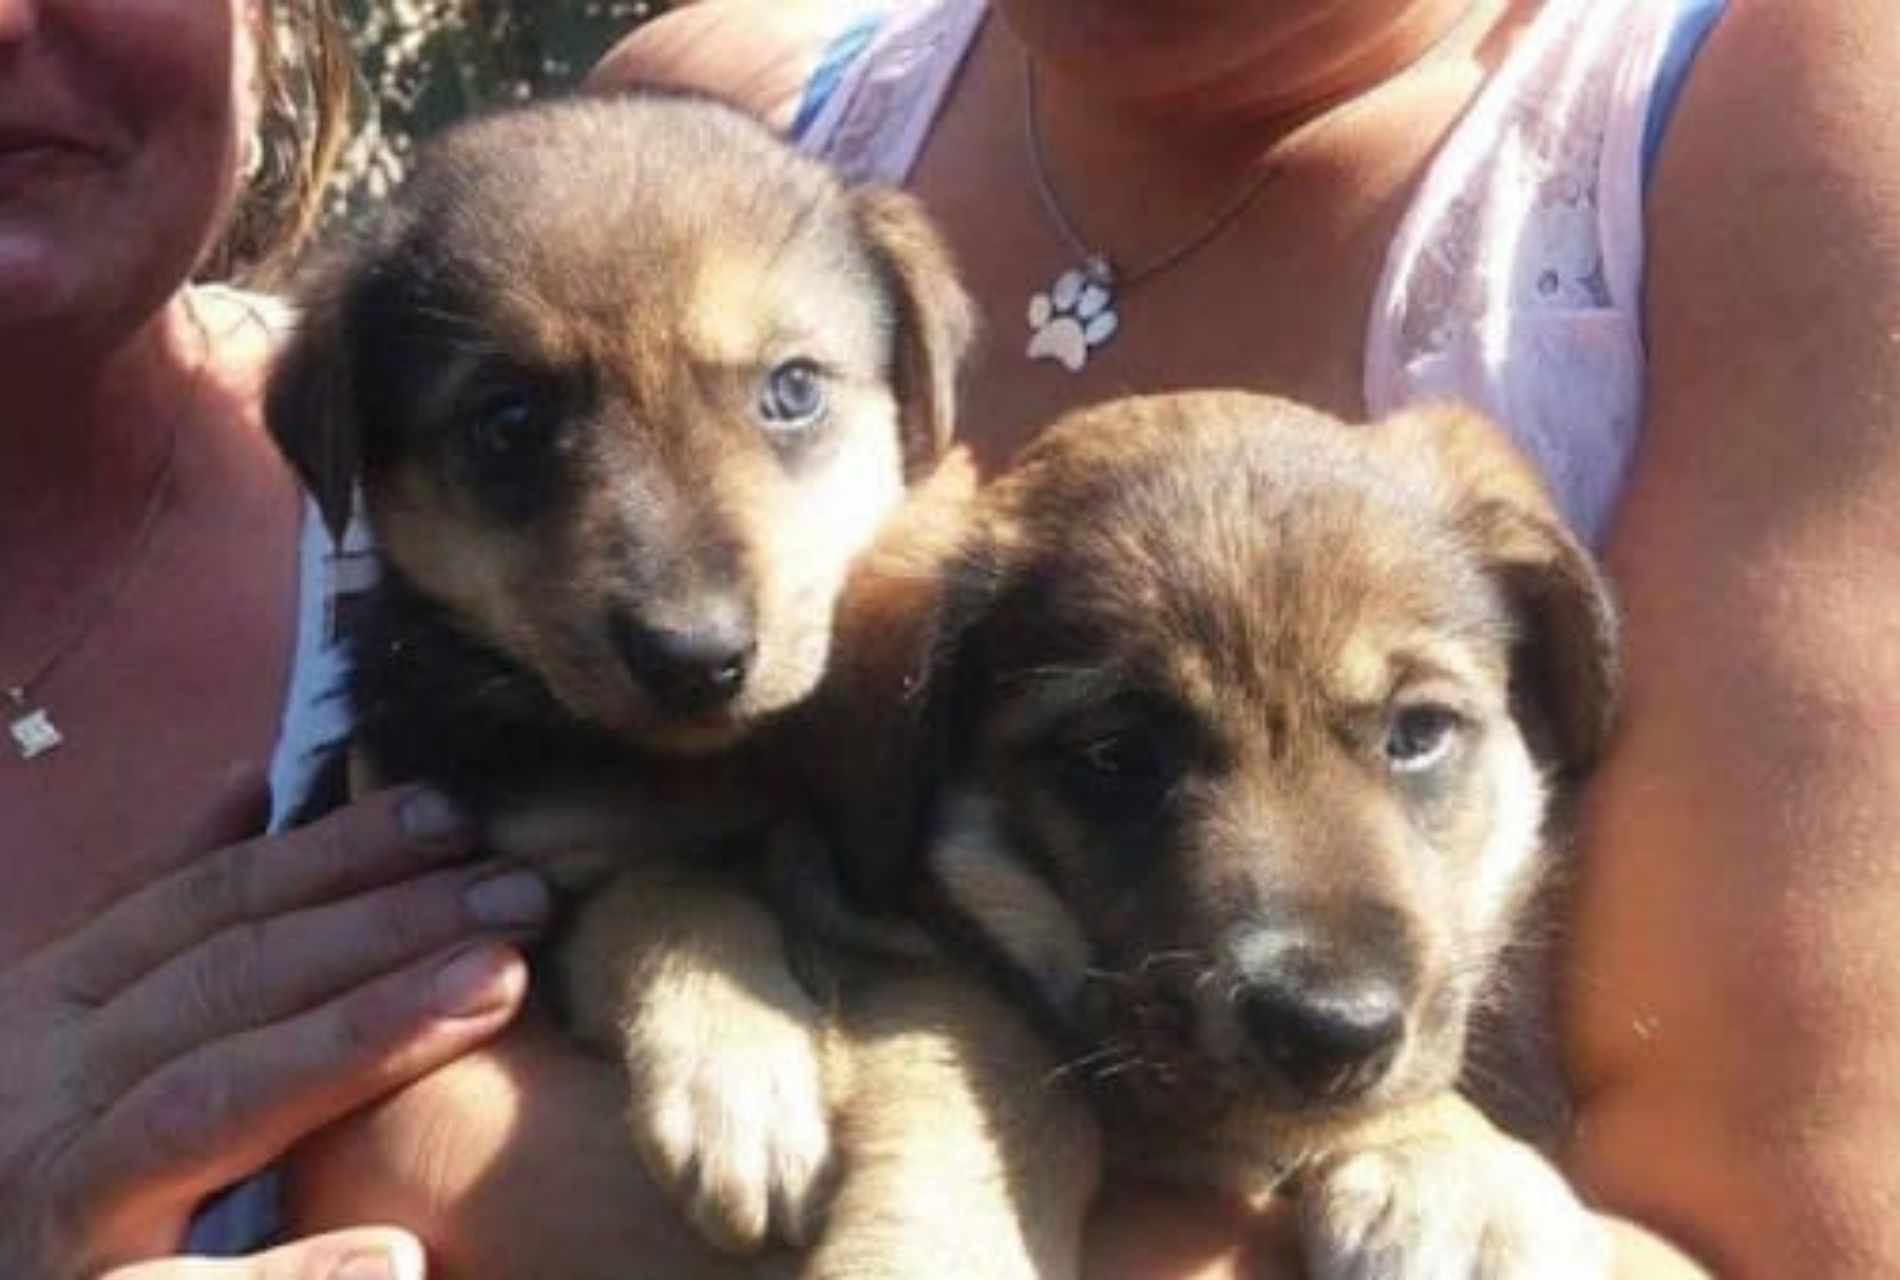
x=1421, y=736
x=793, y=396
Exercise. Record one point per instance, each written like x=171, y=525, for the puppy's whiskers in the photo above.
x=1112, y=1053
x=1501, y=1086
x=1179, y=956
x=1132, y=1063
x=1109, y=977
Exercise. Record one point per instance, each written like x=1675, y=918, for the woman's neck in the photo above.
x=1190, y=137
x=1248, y=72
x=74, y=435
x=80, y=445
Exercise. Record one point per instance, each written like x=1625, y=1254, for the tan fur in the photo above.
x=714, y=511
x=910, y=1125
x=666, y=252
x=627, y=275
x=1435, y=1189
x=1283, y=584
x=974, y=1162
x=932, y=1090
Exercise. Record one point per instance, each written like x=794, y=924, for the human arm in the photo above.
x=1735, y=972
x=528, y=1120
x=187, y=1033
x=756, y=54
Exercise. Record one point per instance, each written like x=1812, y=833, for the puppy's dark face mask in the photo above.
x=626, y=386
x=1257, y=711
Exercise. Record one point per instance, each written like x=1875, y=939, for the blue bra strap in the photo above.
x=837, y=57
x=1692, y=26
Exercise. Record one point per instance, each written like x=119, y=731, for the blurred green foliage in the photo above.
x=427, y=62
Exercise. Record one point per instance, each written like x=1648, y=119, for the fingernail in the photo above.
x=372, y=1266
x=430, y=815
x=473, y=982
x=511, y=900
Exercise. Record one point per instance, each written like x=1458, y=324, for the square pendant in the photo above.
x=34, y=734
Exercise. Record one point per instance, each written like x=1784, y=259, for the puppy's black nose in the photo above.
x=1329, y=1038
x=690, y=667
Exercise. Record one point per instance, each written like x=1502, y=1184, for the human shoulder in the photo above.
x=758, y=54
x=1775, y=222
x=1792, y=83
x=1755, y=554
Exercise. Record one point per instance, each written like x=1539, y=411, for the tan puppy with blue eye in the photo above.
x=1242, y=733
x=626, y=387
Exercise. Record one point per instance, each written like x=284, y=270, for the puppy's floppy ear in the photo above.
x=935, y=319
x=1566, y=668
x=311, y=406
x=882, y=716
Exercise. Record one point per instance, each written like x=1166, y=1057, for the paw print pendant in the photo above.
x=1074, y=316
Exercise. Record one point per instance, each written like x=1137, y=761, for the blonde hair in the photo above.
x=305, y=80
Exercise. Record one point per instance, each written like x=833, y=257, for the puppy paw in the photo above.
x=728, y=1109
x=1462, y=1205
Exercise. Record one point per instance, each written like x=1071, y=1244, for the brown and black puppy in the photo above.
x=1248, y=722
x=625, y=387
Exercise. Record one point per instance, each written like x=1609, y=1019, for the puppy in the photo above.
x=1242, y=730
x=625, y=387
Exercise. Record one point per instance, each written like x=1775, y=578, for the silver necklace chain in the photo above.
x=31, y=727
x=1076, y=314
x=1127, y=277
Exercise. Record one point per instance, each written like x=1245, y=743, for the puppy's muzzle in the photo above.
x=692, y=665
x=1324, y=1023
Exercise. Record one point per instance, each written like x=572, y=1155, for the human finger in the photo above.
x=260, y=972
x=383, y=838
x=223, y=1110
x=365, y=1253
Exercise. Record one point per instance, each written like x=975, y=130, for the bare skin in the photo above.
x=178, y=1000
x=211, y=576
x=1732, y=978
x=1740, y=1075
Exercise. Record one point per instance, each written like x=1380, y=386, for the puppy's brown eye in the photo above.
x=1121, y=775
x=793, y=396
x=509, y=426
x=511, y=445
x=1421, y=736
x=1121, y=755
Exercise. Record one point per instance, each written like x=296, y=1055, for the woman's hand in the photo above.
x=528, y=1119
x=188, y=1033
x=366, y=1253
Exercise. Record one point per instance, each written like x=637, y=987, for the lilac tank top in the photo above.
x=1515, y=280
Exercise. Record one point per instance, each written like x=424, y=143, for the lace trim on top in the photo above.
x=874, y=123
x=1515, y=282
